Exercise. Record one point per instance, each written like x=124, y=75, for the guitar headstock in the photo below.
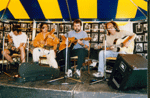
x=53, y=30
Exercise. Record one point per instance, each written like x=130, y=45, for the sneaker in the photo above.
x=98, y=74
x=109, y=71
x=69, y=74
x=77, y=74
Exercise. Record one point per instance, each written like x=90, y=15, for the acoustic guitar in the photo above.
x=119, y=47
x=71, y=42
x=48, y=47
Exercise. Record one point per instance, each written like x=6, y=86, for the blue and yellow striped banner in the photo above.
x=83, y=9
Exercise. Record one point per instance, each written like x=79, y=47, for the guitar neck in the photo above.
x=87, y=38
x=52, y=31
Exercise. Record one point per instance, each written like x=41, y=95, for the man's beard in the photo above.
x=77, y=30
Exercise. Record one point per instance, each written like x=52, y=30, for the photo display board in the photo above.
x=141, y=40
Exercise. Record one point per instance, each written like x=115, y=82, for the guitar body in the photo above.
x=121, y=48
x=53, y=42
x=70, y=44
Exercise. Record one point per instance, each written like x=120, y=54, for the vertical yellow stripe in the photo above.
x=17, y=10
x=50, y=9
x=141, y=3
x=3, y=4
x=87, y=8
x=126, y=9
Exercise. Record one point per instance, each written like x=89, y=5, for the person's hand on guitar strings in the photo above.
x=42, y=43
x=13, y=48
x=49, y=36
x=80, y=42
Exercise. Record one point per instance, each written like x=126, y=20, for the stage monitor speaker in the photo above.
x=129, y=71
x=33, y=72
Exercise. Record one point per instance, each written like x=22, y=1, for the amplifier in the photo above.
x=129, y=71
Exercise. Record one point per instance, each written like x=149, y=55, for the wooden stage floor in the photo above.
x=9, y=88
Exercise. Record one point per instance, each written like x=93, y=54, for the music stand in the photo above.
x=103, y=79
x=65, y=77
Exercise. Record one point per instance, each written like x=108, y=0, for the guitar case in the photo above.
x=32, y=72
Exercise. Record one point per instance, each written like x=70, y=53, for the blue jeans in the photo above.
x=109, y=53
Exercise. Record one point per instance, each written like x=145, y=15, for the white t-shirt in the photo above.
x=18, y=39
x=119, y=35
x=110, y=38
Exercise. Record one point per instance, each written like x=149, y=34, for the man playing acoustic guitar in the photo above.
x=112, y=39
x=46, y=44
x=80, y=48
x=17, y=43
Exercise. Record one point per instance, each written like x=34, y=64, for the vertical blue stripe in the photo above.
x=139, y=15
x=73, y=9
x=33, y=9
x=107, y=9
x=7, y=14
x=63, y=8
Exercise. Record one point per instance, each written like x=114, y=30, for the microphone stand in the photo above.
x=66, y=62
x=3, y=51
x=104, y=79
x=28, y=44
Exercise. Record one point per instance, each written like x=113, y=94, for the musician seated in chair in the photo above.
x=117, y=41
x=46, y=44
x=80, y=49
x=17, y=43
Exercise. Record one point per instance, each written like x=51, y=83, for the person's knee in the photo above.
x=22, y=49
x=36, y=50
x=5, y=52
x=101, y=52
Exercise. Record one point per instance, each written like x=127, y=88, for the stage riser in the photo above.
x=16, y=92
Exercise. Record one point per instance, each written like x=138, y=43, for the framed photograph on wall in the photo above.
x=38, y=27
x=24, y=27
x=102, y=27
x=87, y=27
x=140, y=38
x=145, y=46
x=49, y=27
x=54, y=26
x=139, y=47
x=94, y=37
x=139, y=28
x=94, y=27
x=67, y=27
x=1, y=26
x=7, y=27
x=101, y=37
x=146, y=37
x=145, y=28
x=61, y=28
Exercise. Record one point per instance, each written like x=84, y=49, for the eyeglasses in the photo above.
x=44, y=27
